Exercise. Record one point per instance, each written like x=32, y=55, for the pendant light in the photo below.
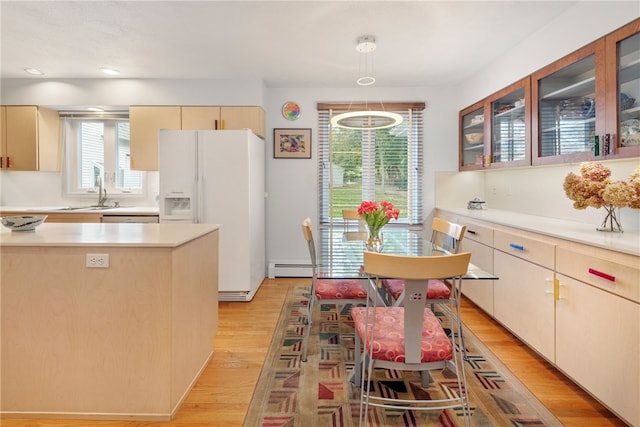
x=367, y=119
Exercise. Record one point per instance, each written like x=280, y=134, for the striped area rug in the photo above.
x=317, y=393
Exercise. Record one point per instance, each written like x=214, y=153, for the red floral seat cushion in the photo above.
x=327, y=289
x=388, y=339
x=436, y=290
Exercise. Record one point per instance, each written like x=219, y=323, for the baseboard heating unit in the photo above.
x=288, y=269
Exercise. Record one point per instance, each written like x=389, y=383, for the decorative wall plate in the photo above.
x=291, y=111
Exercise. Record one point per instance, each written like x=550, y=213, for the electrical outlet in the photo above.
x=97, y=260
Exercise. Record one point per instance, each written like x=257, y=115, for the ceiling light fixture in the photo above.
x=110, y=71
x=33, y=71
x=366, y=119
x=96, y=109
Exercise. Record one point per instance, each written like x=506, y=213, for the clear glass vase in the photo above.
x=611, y=220
x=375, y=240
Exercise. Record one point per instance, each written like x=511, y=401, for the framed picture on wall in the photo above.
x=292, y=143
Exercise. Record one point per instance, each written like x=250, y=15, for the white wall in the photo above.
x=293, y=184
x=576, y=27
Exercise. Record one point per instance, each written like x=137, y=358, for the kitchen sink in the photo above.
x=86, y=208
x=100, y=208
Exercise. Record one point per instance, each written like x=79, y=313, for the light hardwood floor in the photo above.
x=223, y=392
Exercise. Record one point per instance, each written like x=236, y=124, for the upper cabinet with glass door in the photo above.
x=568, y=112
x=473, y=129
x=622, y=133
x=586, y=105
x=510, y=125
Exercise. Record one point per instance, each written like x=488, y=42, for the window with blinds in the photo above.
x=356, y=165
x=383, y=164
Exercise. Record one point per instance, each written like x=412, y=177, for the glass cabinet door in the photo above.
x=566, y=111
x=623, y=100
x=472, y=136
x=510, y=134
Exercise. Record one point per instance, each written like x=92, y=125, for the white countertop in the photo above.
x=627, y=242
x=101, y=234
x=125, y=210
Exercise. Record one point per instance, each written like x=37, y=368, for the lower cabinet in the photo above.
x=577, y=305
x=523, y=301
x=523, y=295
x=598, y=345
x=598, y=325
x=479, y=291
x=60, y=217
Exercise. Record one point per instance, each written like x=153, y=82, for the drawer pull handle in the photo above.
x=471, y=232
x=518, y=247
x=602, y=275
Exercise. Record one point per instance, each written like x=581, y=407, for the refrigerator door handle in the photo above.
x=199, y=199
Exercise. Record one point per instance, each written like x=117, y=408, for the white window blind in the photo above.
x=383, y=164
x=356, y=165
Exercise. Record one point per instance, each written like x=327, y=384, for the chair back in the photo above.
x=308, y=236
x=416, y=271
x=349, y=216
x=447, y=235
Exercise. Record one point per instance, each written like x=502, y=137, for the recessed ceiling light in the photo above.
x=110, y=71
x=33, y=71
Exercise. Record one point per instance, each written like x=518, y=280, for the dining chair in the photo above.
x=349, y=216
x=445, y=235
x=409, y=338
x=326, y=290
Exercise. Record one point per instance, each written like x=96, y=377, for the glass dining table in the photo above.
x=341, y=253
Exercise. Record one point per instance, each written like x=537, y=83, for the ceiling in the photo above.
x=285, y=43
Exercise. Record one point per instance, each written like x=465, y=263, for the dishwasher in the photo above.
x=130, y=218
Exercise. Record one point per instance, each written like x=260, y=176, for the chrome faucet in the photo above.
x=102, y=193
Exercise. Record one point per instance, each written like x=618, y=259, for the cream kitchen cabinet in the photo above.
x=59, y=216
x=598, y=325
x=200, y=118
x=146, y=121
x=144, y=124
x=238, y=118
x=227, y=118
x=575, y=303
x=30, y=139
x=524, y=294
x=478, y=240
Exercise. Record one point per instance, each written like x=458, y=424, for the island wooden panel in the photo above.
x=123, y=342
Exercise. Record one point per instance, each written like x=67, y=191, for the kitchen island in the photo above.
x=106, y=321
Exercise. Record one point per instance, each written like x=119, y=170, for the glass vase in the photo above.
x=611, y=220
x=375, y=240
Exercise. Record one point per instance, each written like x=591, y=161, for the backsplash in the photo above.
x=531, y=190
x=26, y=189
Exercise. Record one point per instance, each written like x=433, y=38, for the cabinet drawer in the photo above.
x=535, y=251
x=608, y=270
x=478, y=233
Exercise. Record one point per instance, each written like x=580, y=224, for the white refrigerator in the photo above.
x=217, y=177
